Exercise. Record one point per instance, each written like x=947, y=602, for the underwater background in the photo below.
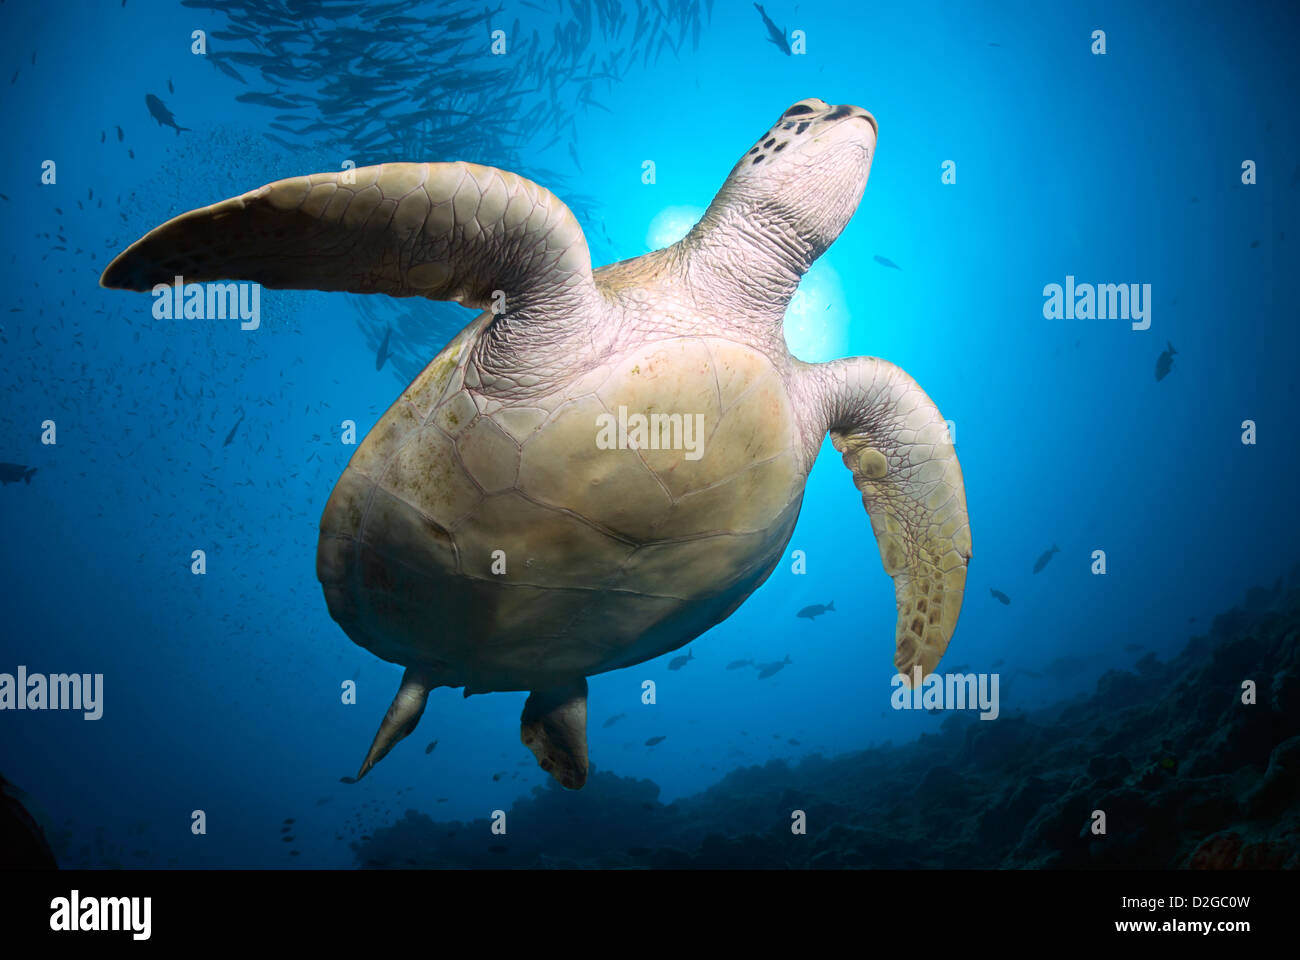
x=222, y=691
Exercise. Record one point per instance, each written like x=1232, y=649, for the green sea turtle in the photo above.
x=602, y=465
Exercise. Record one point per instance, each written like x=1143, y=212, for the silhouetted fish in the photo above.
x=613, y=720
x=1045, y=558
x=816, y=610
x=1165, y=362
x=158, y=110
x=429, y=749
x=737, y=664
x=676, y=663
x=347, y=779
x=120, y=135
x=770, y=668
x=1000, y=596
x=774, y=33
x=886, y=262
x=13, y=472
x=231, y=435
x=382, y=355
x=653, y=740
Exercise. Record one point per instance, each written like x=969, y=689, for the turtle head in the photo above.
x=789, y=197
x=803, y=178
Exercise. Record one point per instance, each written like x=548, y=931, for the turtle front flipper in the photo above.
x=898, y=447
x=554, y=727
x=402, y=716
x=447, y=231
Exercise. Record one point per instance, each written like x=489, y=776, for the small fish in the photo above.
x=771, y=668
x=158, y=110
x=231, y=435
x=816, y=610
x=170, y=87
x=429, y=749
x=382, y=355
x=1000, y=597
x=347, y=779
x=1045, y=558
x=103, y=135
x=886, y=262
x=793, y=742
x=737, y=664
x=1165, y=362
x=573, y=152
x=676, y=663
x=774, y=33
x=497, y=776
x=120, y=135
x=613, y=720
x=288, y=820
x=13, y=472
x=654, y=740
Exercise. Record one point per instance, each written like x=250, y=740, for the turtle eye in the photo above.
x=798, y=110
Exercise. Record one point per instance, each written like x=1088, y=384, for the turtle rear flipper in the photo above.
x=402, y=716
x=554, y=727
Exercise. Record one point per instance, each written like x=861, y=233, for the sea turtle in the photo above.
x=602, y=465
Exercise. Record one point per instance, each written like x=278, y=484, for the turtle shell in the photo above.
x=513, y=546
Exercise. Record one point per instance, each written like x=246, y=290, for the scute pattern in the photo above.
x=610, y=554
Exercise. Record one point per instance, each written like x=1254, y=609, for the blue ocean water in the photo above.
x=222, y=691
